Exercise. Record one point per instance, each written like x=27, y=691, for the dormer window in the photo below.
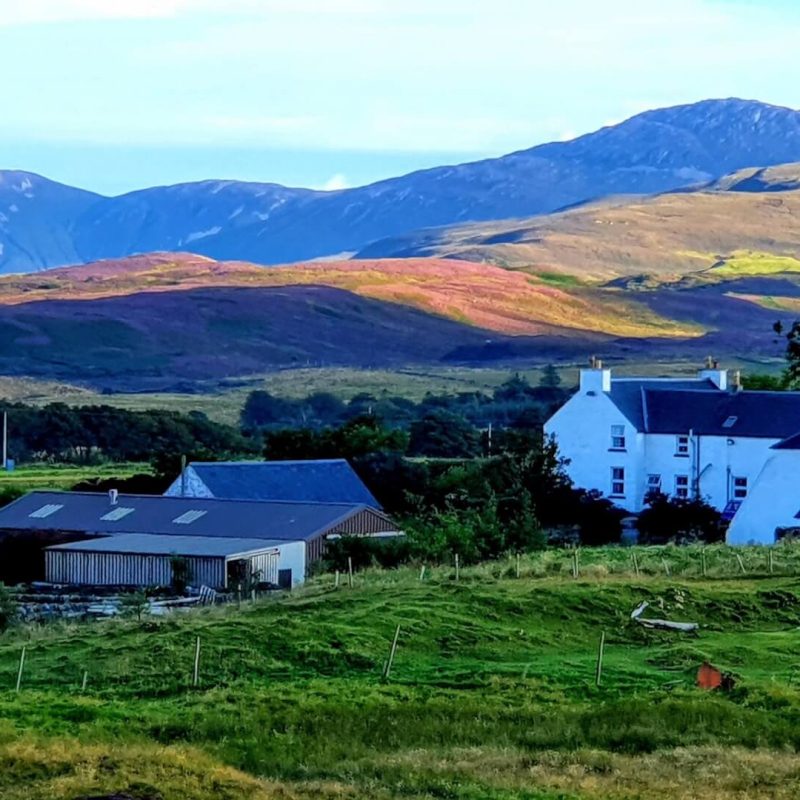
x=617, y=437
x=730, y=422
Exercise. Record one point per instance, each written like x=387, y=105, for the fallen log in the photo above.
x=661, y=624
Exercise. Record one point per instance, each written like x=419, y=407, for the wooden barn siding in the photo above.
x=366, y=521
x=128, y=569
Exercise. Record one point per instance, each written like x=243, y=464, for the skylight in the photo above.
x=117, y=514
x=45, y=511
x=188, y=517
x=730, y=422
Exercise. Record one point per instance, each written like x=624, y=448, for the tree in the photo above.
x=680, y=519
x=8, y=608
x=550, y=378
x=134, y=604
x=181, y=574
x=442, y=434
x=793, y=355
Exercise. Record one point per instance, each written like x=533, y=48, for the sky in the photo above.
x=114, y=95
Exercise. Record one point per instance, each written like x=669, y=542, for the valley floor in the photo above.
x=491, y=695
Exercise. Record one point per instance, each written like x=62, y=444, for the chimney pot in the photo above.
x=113, y=496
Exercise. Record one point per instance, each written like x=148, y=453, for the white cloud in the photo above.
x=335, y=183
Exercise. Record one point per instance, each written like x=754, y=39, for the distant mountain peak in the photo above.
x=652, y=152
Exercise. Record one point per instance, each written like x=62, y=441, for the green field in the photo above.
x=31, y=477
x=492, y=692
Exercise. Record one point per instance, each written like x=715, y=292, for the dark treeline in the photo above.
x=59, y=433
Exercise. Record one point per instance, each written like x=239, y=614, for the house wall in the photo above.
x=582, y=431
x=773, y=503
x=713, y=461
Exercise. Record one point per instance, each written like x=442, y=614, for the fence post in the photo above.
x=21, y=668
x=350, y=570
x=518, y=569
x=703, y=562
x=458, y=571
x=388, y=668
x=336, y=581
x=666, y=566
x=599, y=671
x=422, y=573
x=85, y=680
x=575, y=566
x=741, y=563
x=635, y=563
x=769, y=561
x=196, y=673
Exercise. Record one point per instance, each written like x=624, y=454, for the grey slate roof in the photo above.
x=628, y=394
x=319, y=481
x=768, y=415
x=237, y=519
x=677, y=407
x=148, y=544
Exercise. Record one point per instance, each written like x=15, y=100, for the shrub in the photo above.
x=8, y=608
x=679, y=519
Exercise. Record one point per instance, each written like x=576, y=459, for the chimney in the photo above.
x=113, y=496
x=183, y=476
x=713, y=373
x=596, y=379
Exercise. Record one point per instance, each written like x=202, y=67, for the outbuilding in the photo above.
x=139, y=559
x=43, y=520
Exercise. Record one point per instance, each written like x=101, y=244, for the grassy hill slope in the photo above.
x=492, y=692
x=669, y=235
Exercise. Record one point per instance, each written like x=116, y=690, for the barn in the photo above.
x=327, y=480
x=79, y=529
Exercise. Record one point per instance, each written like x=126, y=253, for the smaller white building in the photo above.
x=627, y=437
x=772, y=508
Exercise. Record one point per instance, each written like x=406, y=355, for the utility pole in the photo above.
x=5, y=440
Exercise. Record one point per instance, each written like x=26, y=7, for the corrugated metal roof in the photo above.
x=317, y=481
x=149, y=544
x=84, y=511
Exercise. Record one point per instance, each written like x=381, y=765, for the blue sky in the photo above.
x=114, y=95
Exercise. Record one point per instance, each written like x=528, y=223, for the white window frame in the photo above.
x=682, y=446
x=682, y=486
x=654, y=482
x=618, y=437
x=740, y=491
x=617, y=482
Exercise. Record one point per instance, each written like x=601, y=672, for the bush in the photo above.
x=8, y=608
x=679, y=519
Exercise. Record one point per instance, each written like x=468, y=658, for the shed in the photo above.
x=138, y=559
x=309, y=481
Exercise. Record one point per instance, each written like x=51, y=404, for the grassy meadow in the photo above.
x=492, y=692
x=28, y=478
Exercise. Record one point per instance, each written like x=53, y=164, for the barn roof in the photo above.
x=175, y=516
x=314, y=481
x=155, y=545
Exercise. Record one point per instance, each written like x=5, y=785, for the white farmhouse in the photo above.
x=626, y=437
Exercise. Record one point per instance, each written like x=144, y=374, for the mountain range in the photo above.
x=45, y=224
